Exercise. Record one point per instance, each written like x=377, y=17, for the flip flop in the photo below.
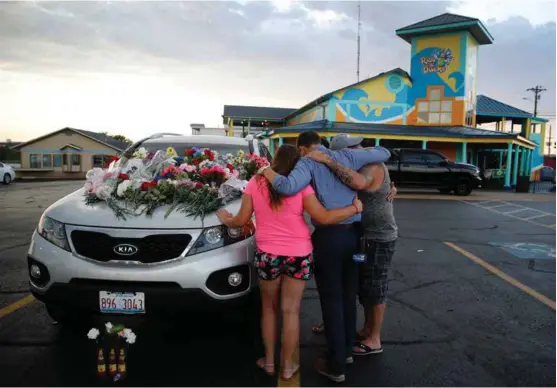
x=269, y=369
x=366, y=350
x=288, y=373
x=318, y=329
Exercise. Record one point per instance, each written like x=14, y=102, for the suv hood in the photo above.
x=73, y=210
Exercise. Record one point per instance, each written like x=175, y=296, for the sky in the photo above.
x=136, y=68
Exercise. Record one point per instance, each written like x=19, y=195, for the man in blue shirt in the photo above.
x=336, y=271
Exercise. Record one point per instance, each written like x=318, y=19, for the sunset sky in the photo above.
x=136, y=68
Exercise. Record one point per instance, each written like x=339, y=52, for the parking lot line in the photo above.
x=496, y=271
x=16, y=305
x=512, y=215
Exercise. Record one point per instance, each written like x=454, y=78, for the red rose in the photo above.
x=196, y=162
x=113, y=158
x=198, y=185
x=189, y=152
x=147, y=185
x=123, y=177
x=207, y=152
x=230, y=167
x=211, y=157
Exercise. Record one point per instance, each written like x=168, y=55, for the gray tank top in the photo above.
x=378, y=220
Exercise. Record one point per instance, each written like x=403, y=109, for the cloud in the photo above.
x=191, y=58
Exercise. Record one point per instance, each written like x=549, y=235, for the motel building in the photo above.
x=435, y=106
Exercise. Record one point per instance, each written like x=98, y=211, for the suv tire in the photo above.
x=463, y=188
x=7, y=179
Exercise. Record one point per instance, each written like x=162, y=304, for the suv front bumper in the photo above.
x=198, y=281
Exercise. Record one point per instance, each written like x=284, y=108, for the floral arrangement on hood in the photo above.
x=197, y=183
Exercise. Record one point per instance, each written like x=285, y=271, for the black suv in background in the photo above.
x=410, y=167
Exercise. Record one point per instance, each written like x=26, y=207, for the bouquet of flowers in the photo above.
x=141, y=182
x=116, y=339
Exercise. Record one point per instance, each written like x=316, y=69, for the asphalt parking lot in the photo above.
x=471, y=303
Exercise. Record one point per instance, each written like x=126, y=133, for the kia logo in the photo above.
x=125, y=249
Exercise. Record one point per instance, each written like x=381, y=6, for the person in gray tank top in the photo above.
x=379, y=235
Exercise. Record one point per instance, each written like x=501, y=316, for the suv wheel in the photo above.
x=445, y=191
x=7, y=179
x=463, y=188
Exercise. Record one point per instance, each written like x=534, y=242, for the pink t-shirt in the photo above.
x=282, y=231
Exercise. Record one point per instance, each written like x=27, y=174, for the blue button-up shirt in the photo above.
x=330, y=191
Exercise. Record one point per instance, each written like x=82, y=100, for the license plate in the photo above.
x=122, y=302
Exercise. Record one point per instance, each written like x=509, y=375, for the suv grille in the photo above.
x=149, y=249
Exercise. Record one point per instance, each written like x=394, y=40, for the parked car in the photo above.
x=7, y=173
x=547, y=174
x=84, y=259
x=411, y=167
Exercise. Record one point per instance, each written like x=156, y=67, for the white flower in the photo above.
x=108, y=326
x=127, y=332
x=130, y=338
x=93, y=334
x=140, y=153
x=122, y=187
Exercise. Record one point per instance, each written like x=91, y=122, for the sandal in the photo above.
x=318, y=329
x=288, y=373
x=269, y=369
x=366, y=350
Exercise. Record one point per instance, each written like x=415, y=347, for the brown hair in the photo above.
x=283, y=163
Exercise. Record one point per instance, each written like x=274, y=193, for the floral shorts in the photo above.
x=270, y=267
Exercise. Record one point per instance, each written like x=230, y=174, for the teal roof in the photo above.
x=402, y=130
x=487, y=106
x=446, y=22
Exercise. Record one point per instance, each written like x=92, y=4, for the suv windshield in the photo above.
x=182, y=147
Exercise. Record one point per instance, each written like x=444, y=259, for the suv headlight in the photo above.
x=220, y=236
x=54, y=232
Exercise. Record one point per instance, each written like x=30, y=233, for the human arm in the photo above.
x=292, y=184
x=349, y=177
x=392, y=192
x=363, y=156
x=240, y=219
x=328, y=217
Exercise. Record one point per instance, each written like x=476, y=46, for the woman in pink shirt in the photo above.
x=284, y=252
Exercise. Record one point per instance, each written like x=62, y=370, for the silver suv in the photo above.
x=83, y=259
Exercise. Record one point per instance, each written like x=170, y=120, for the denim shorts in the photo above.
x=373, y=273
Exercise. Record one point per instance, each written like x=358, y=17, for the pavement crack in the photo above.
x=419, y=286
x=14, y=246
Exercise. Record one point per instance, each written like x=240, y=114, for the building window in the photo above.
x=47, y=161
x=65, y=159
x=76, y=160
x=58, y=160
x=100, y=160
x=435, y=109
x=35, y=161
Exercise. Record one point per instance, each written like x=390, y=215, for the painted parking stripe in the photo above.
x=516, y=211
x=16, y=305
x=538, y=216
x=496, y=271
x=512, y=215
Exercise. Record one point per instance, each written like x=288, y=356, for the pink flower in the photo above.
x=306, y=270
x=298, y=275
x=235, y=173
x=187, y=167
x=261, y=265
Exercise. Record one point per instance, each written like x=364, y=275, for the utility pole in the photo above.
x=358, y=58
x=538, y=89
x=549, y=144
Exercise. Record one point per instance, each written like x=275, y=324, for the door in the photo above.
x=438, y=172
x=413, y=169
